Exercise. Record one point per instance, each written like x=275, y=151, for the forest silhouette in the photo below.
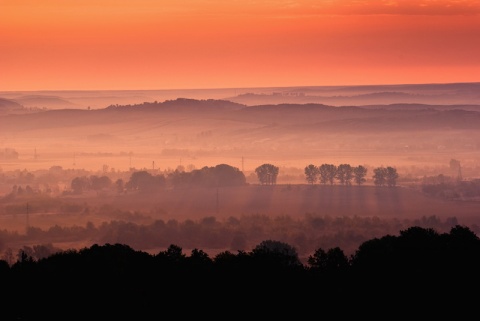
x=419, y=267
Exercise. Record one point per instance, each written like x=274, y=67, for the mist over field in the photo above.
x=84, y=167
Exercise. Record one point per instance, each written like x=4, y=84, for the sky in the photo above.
x=196, y=44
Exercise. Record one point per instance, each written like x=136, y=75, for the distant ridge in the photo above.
x=423, y=106
x=351, y=95
x=181, y=104
x=9, y=106
x=281, y=118
x=438, y=94
x=207, y=129
x=46, y=102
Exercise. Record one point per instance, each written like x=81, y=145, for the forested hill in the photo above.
x=181, y=105
x=373, y=117
x=226, y=128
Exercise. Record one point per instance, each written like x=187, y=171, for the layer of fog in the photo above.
x=442, y=94
x=59, y=138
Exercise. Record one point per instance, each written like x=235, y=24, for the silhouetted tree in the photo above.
x=379, y=176
x=311, y=174
x=4, y=268
x=344, y=174
x=359, y=174
x=179, y=178
x=219, y=175
x=456, y=169
x=276, y=253
x=120, y=185
x=9, y=256
x=333, y=260
x=267, y=174
x=79, y=184
x=226, y=175
x=144, y=181
x=199, y=259
x=327, y=173
x=172, y=255
x=99, y=183
x=391, y=176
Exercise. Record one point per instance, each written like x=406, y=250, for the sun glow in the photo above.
x=198, y=44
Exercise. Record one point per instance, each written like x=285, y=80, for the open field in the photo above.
x=347, y=215
x=292, y=200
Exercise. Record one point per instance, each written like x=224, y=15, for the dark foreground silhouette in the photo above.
x=418, y=271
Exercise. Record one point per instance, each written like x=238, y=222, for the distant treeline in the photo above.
x=210, y=233
x=215, y=176
x=148, y=180
x=227, y=175
x=420, y=270
x=450, y=188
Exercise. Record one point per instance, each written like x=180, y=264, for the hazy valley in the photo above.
x=49, y=139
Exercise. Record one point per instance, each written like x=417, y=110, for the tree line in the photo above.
x=143, y=181
x=215, y=176
x=324, y=174
x=227, y=175
x=403, y=272
x=234, y=233
x=345, y=173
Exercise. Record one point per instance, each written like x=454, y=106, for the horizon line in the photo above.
x=248, y=87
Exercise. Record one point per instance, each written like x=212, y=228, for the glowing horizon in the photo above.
x=89, y=45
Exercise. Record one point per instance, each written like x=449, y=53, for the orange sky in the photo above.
x=173, y=44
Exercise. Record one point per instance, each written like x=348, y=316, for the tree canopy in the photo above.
x=267, y=174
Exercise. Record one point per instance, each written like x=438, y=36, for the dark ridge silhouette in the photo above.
x=414, y=272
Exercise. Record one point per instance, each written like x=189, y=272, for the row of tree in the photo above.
x=226, y=175
x=266, y=174
x=345, y=173
x=328, y=173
